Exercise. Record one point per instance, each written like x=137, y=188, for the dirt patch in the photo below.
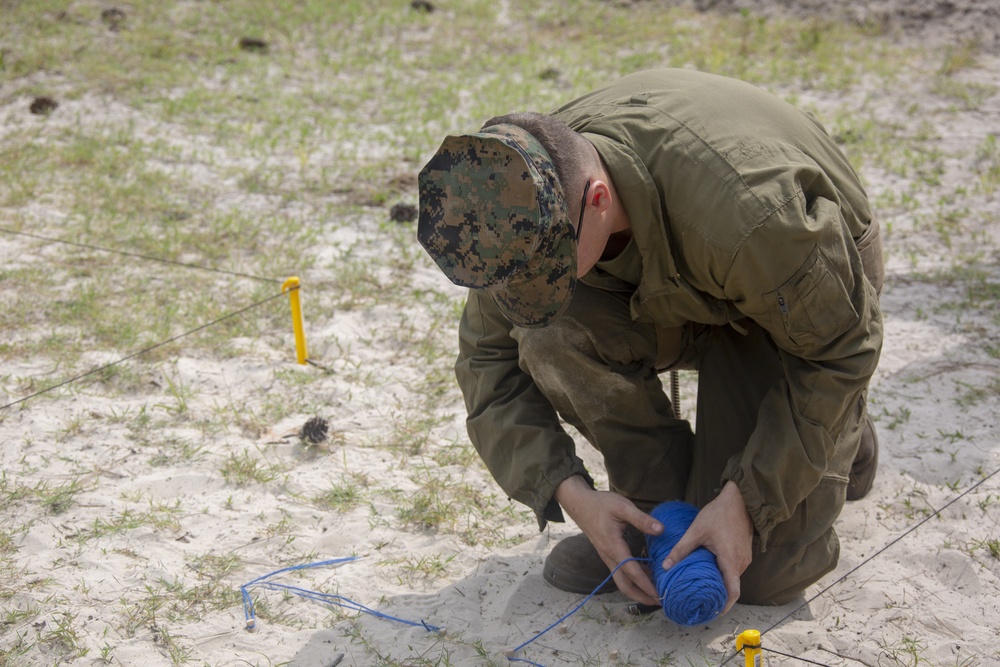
x=940, y=21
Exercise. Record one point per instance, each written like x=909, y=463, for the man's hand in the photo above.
x=603, y=516
x=723, y=527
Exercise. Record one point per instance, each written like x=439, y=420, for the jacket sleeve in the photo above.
x=825, y=320
x=511, y=424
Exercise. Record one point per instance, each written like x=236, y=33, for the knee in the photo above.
x=561, y=358
x=781, y=573
x=552, y=345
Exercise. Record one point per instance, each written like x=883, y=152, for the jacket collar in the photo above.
x=641, y=198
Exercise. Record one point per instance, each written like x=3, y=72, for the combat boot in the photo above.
x=574, y=565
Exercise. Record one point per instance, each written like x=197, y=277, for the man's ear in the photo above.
x=600, y=196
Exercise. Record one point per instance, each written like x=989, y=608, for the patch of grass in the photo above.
x=58, y=499
x=340, y=497
x=895, y=420
x=178, y=601
x=177, y=652
x=244, y=468
x=912, y=504
x=973, y=395
x=159, y=516
x=989, y=545
x=434, y=566
x=51, y=498
x=429, y=507
x=12, y=573
x=61, y=637
x=446, y=505
x=11, y=492
x=908, y=652
x=966, y=95
x=461, y=454
x=174, y=451
x=411, y=434
x=958, y=57
x=988, y=163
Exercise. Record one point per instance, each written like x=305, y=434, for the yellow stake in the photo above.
x=749, y=643
x=292, y=287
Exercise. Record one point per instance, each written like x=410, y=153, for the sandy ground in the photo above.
x=948, y=21
x=920, y=566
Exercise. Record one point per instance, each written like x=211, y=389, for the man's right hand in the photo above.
x=603, y=517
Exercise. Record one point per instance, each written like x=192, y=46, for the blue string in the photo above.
x=575, y=609
x=326, y=598
x=692, y=591
x=340, y=601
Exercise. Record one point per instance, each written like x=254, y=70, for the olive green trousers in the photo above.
x=598, y=368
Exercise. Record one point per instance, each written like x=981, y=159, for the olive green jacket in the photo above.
x=741, y=207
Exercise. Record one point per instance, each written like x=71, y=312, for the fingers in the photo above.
x=632, y=578
x=634, y=582
x=731, y=565
x=732, y=582
x=725, y=528
x=642, y=521
x=688, y=543
x=606, y=516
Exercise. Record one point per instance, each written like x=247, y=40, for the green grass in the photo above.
x=343, y=102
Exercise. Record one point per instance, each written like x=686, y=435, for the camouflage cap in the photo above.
x=493, y=217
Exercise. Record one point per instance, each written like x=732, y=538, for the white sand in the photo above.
x=929, y=599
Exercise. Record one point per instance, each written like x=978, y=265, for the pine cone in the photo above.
x=403, y=212
x=314, y=430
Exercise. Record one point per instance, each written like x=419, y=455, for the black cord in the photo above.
x=143, y=351
x=138, y=256
x=871, y=558
x=795, y=657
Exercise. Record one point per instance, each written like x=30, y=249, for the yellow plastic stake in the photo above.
x=749, y=643
x=292, y=287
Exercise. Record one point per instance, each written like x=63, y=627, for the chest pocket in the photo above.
x=814, y=305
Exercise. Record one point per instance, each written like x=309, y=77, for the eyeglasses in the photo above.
x=583, y=209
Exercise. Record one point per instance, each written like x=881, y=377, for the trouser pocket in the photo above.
x=870, y=249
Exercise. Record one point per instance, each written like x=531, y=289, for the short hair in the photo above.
x=571, y=154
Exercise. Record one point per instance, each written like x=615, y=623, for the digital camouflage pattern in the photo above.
x=493, y=217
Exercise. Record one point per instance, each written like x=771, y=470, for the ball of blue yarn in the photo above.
x=692, y=591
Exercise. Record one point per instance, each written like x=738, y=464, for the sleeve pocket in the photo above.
x=814, y=304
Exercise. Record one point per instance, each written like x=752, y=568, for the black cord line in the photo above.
x=795, y=657
x=137, y=255
x=875, y=555
x=143, y=351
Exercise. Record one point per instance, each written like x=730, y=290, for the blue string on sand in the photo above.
x=339, y=601
x=692, y=591
x=511, y=655
x=326, y=598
